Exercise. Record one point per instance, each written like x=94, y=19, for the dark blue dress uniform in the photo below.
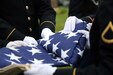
x=101, y=41
x=20, y=18
x=82, y=8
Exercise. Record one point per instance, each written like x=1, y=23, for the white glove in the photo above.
x=70, y=24
x=46, y=33
x=30, y=41
x=17, y=43
x=40, y=69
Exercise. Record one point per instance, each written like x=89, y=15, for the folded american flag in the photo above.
x=60, y=50
x=28, y=55
x=68, y=46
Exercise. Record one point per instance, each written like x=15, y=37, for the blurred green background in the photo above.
x=61, y=16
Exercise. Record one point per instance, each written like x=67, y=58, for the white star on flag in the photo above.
x=70, y=35
x=47, y=43
x=64, y=53
x=13, y=57
x=34, y=51
x=80, y=52
x=55, y=47
x=36, y=61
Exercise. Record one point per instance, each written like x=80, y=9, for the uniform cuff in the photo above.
x=48, y=24
x=15, y=35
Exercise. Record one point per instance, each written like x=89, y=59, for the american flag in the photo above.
x=60, y=50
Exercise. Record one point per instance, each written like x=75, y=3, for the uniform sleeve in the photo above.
x=101, y=42
x=81, y=8
x=46, y=15
x=88, y=19
x=9, y=33
x=3, y=43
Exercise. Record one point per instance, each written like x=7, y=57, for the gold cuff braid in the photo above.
x=47, y=22
x=10, y=33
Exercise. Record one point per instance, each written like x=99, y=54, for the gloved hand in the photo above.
x=70, y=24
x=46, y=33
x=30, y=41
x=17, y=43
x=40, y=69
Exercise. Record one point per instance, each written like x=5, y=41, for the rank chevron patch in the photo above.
x=106, y=30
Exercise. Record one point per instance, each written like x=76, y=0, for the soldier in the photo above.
x=25, y=20
x=101, y=43
x=84, y=9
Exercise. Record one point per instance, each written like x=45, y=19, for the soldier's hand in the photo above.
x=17, y=43
x=70, y=24
x=46, y=33
x=30, y=41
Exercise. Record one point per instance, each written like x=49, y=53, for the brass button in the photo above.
x=27, y=7
x=30, y=29
x=29, y=18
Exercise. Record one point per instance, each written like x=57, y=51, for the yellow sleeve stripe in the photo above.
x=10, y=33
x=74, y=71
x=48, y=22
